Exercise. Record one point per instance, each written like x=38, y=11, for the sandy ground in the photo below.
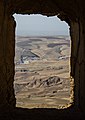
x=43, y=79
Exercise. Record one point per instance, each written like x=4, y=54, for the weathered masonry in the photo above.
x=71, y=11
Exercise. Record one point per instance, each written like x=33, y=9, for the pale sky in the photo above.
x=36, y=25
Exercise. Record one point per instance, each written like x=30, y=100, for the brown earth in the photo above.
x=42, y=77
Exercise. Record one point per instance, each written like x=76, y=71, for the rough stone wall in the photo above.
x=3, y=82
x=7, y=38
x=72, y=11
x=82, y=65
x=78, y=62
x=10, y=49
x=75, y=41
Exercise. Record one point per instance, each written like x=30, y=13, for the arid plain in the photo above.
x=42, y=72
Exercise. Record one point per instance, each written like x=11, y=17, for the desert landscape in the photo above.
x=42, y=72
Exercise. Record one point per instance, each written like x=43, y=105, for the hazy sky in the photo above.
x=40, y=25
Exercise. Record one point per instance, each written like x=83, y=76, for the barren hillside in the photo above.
x=42, y=71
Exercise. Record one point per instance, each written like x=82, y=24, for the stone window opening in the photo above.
x=27, y=86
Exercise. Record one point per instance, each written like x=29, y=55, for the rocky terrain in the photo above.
x=42, y=72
